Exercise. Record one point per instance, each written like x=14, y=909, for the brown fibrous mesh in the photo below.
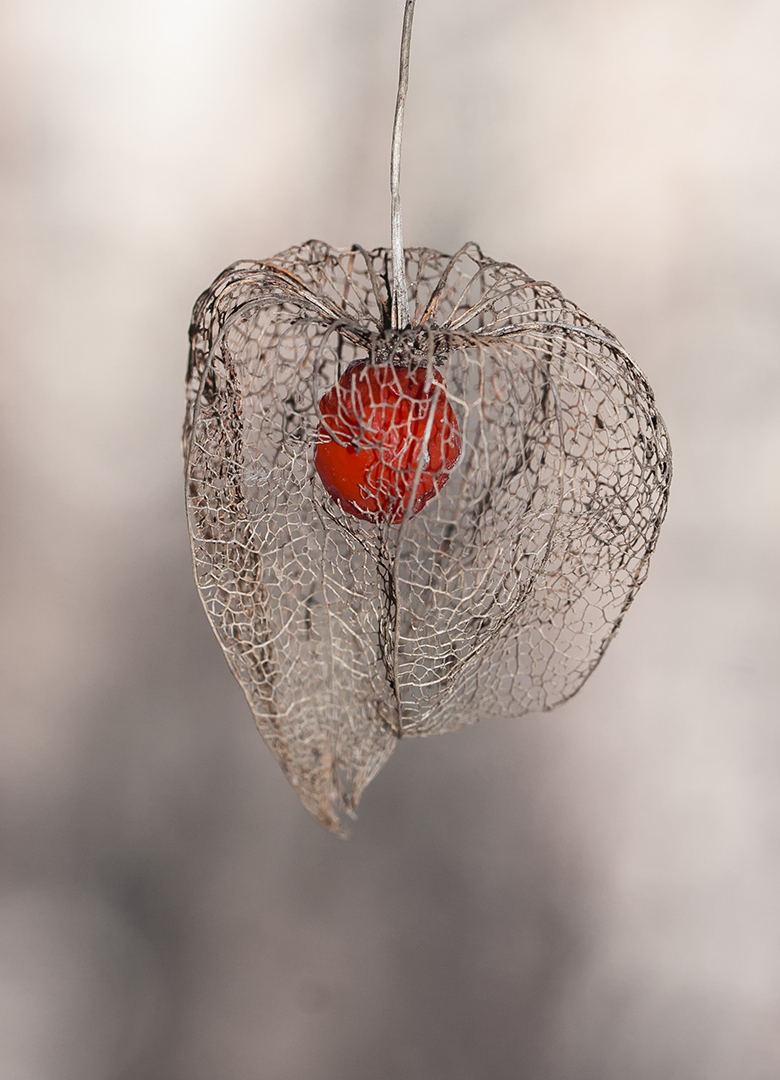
x=499, y=596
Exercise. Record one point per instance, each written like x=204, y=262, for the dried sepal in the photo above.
x=501, y=594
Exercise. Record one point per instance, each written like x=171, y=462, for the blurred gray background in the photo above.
x=593, y=894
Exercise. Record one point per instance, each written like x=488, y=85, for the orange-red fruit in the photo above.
x=374, y=433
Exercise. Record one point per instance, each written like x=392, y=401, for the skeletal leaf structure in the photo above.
x=495, y=475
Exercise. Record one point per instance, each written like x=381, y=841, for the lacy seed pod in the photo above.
x=501, y=594
x=422, y=491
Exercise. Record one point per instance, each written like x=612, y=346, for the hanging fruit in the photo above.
x=388, y=441
x=422, y=491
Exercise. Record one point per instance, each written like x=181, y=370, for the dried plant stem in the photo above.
x=400, y=298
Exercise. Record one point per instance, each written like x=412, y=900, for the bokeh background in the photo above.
x=592, y=894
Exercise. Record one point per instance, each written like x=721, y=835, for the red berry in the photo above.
x=373, y=432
